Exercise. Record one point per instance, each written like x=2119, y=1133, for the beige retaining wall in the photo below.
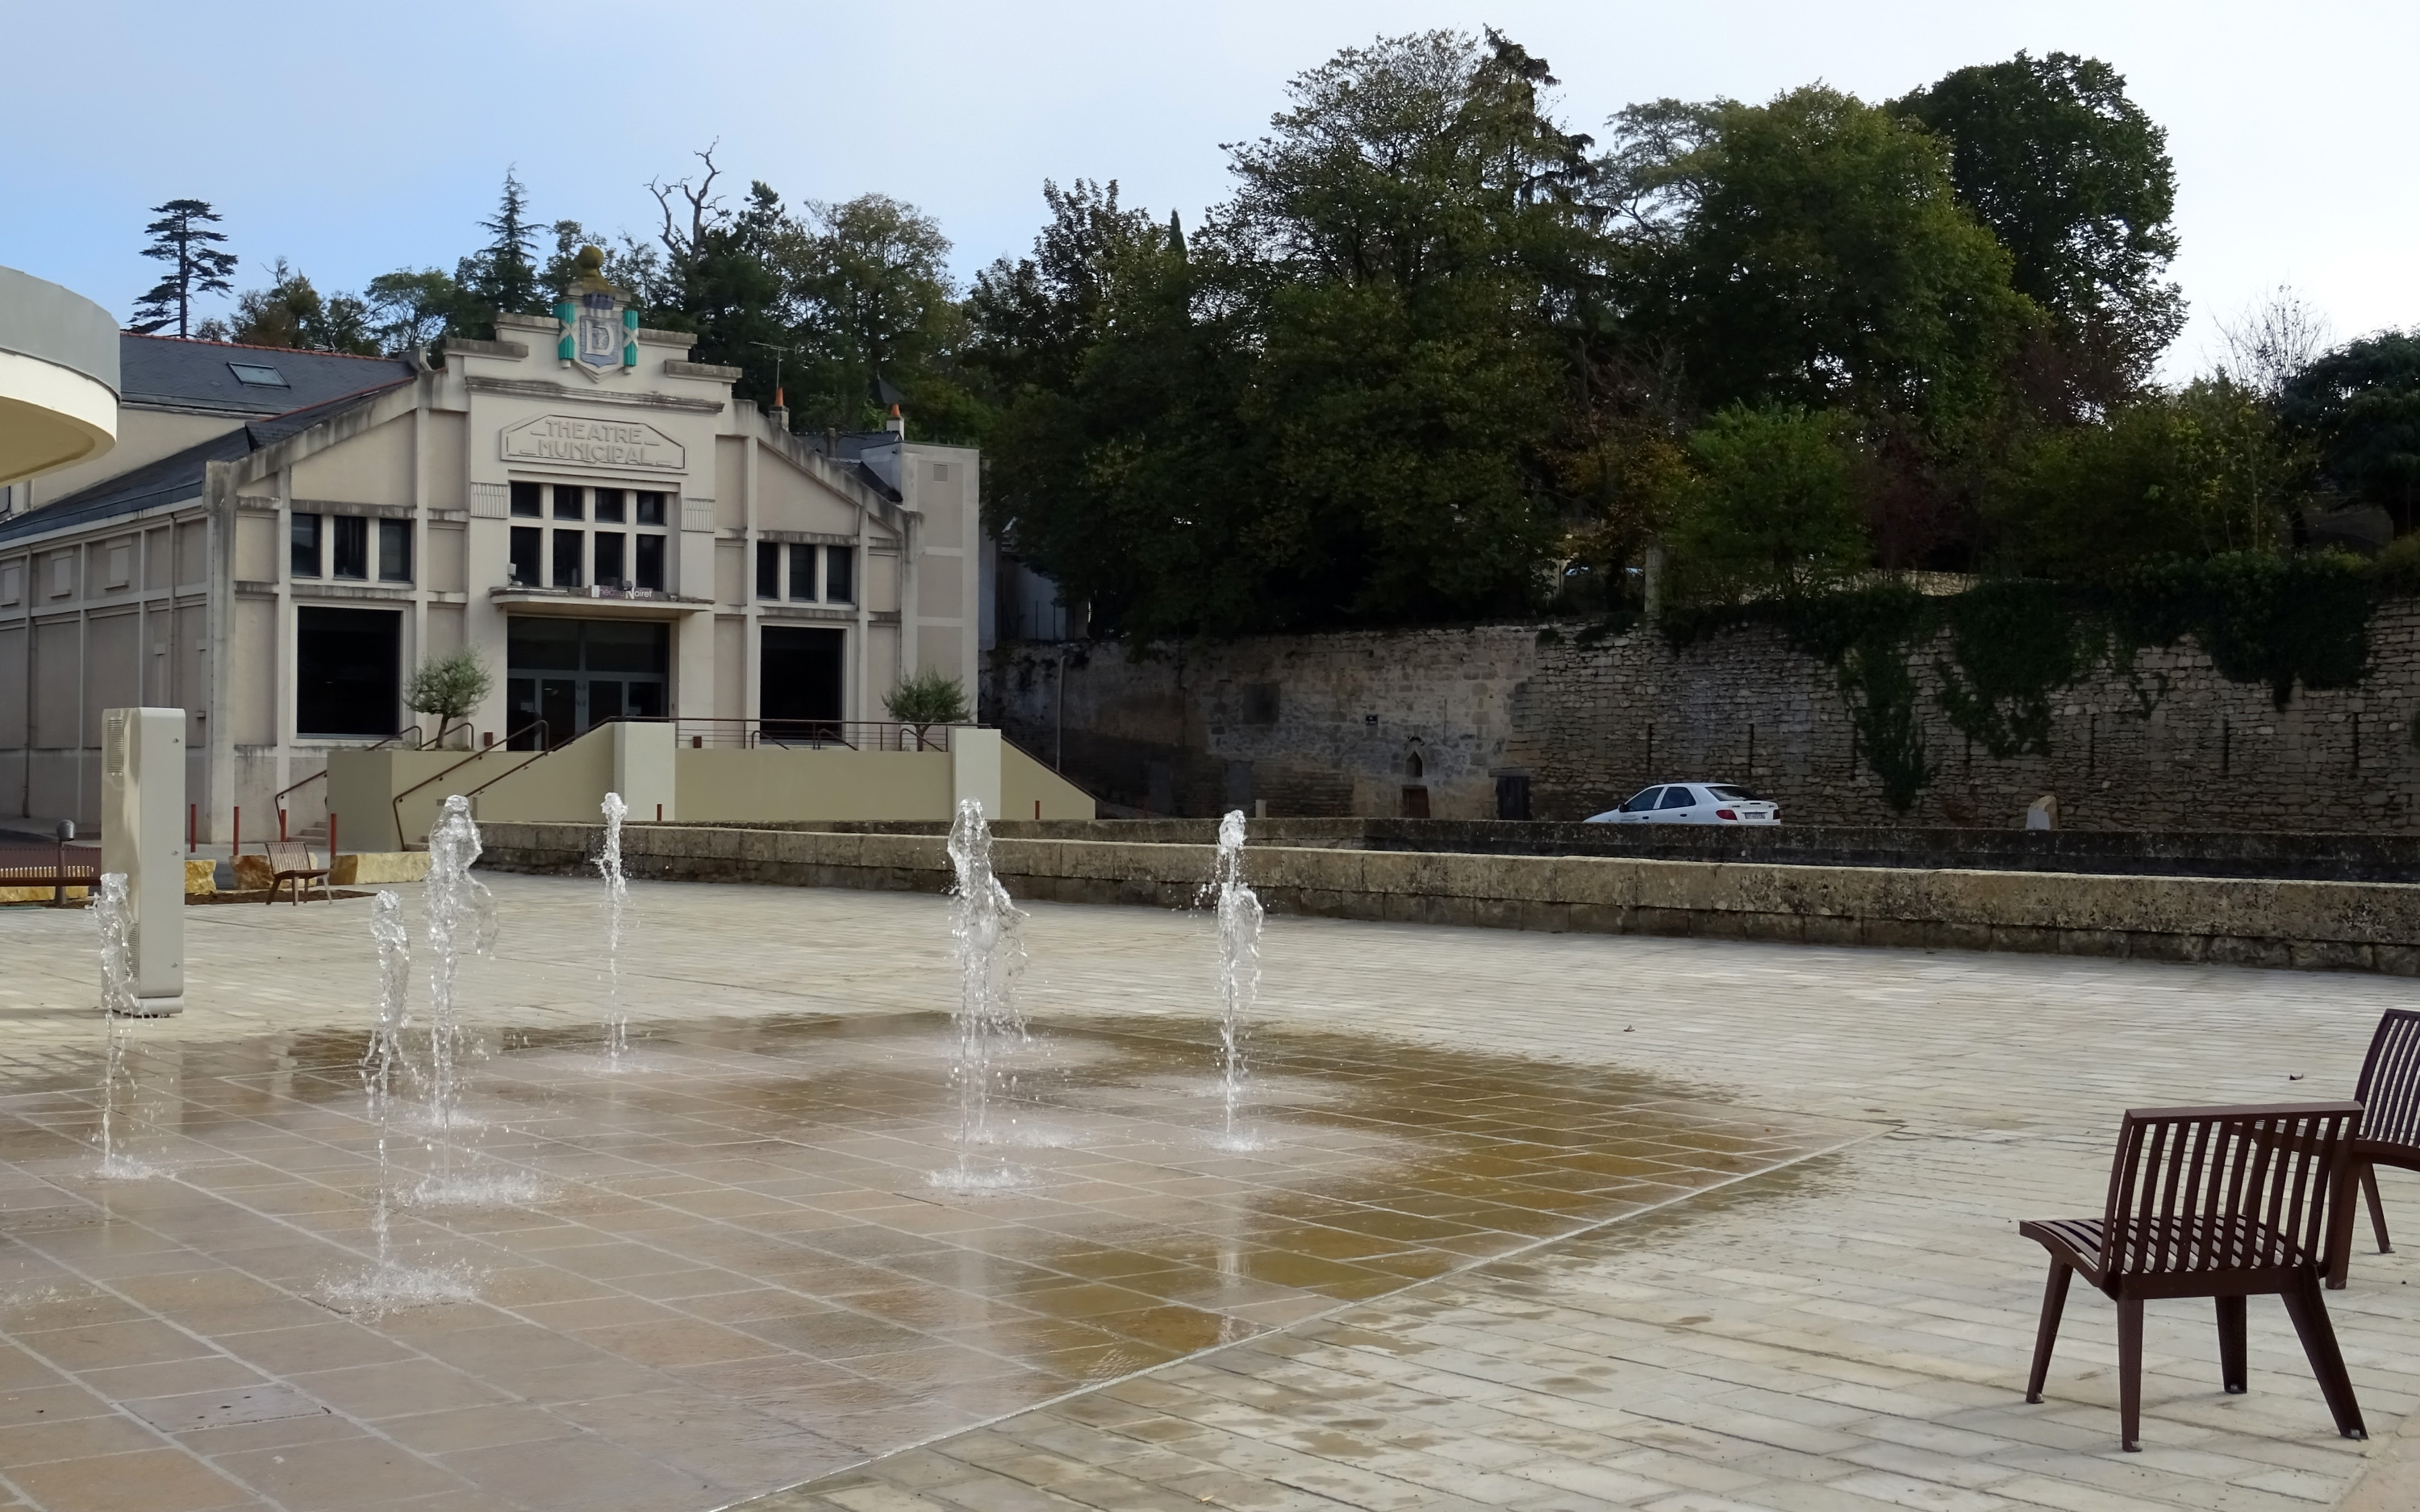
x=2304, y=925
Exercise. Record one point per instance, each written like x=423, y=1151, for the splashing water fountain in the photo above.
x=110, y=912
x=383, y=1057
x=991, y=958
x=389, y=1283
x=1239, y=915
x=459, y=915
x=608, y=866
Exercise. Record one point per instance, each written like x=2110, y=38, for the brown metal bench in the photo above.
x=290, y=864
x=57, y=865
x=2221, y=1202
x=2389, y=1094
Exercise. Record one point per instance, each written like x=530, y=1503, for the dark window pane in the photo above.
x=646, y=701
x=395, y=550
x=535, y=643
x=522, y=693
x=346, y=666
x=1677, y=797
x=302, y=547
x=651, y=508
x=528, y=543
x=1642, y=800
x=651, y=561
x=566, y=558
x=567, y=501
x=352, y=547
x=609, y=556
x=604, y=701
x=609, y=503
x=769, y=570
x=526, y=502
x=840, y=574
x=802, y=572
x=558, y=704
x=799, y=692
x=626, y=647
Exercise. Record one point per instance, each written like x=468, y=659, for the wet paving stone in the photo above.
x=766, y=1220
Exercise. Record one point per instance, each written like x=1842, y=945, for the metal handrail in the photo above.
x=277, y=799
x=395, y=806
x=857, y=734
x=544, y=750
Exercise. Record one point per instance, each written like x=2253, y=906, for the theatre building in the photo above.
x=281, y=537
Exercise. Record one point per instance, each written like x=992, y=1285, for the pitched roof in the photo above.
x=171, y=372
x=178, y=475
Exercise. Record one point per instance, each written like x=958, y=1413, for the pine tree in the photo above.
x=181, y=238
x=506, y=278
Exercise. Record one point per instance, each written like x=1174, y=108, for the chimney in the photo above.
x=898, y=425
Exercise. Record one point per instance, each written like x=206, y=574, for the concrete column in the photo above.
x=974, y=768
x=142, y=823
x=644, y=769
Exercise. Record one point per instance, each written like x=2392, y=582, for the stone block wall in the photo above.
x=2300, y=925
x=1343, y=723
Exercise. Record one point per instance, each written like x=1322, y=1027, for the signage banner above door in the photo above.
x=606, y=443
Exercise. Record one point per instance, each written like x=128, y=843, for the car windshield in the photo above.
x=1733, y=795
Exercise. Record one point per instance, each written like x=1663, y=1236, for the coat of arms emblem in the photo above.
x=599, y=332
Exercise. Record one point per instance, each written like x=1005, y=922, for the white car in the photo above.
x=1691, y=803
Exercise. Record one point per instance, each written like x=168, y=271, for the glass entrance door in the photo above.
x=577, y=675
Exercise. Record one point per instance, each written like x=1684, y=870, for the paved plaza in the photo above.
x=1512, y=1221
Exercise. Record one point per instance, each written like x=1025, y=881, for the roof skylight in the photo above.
x=260, y=375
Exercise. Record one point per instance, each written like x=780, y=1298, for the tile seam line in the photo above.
x=1323, y=1315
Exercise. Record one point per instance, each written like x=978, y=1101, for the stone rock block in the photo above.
x=371, y=868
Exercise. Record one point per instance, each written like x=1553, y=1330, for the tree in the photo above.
x=1035, y=317
x=449, y=687
x=720, y=277
x=411, y=309
x=2272, y=342
x=501, y=278
x=2359, y=406
x=291, y=313
x=875, y=311
x=1810, y=251
x=1329, y=404
x=925, y=699
x=2074, y=180
x=1769, y=506
x=2197, y=473
x=182, y=237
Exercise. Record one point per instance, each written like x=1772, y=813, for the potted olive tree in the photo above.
x=924, y=700
x=449, y=687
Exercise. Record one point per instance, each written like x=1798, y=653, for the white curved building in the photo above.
x=59, y=378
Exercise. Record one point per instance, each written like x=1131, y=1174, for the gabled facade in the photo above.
x=613, y=537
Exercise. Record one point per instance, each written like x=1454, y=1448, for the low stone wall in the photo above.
x=2282, y=855
x=2304, y=925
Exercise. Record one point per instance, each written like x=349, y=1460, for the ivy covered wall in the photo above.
x=1975, y=710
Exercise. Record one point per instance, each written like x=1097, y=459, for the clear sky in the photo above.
x=355, y=139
